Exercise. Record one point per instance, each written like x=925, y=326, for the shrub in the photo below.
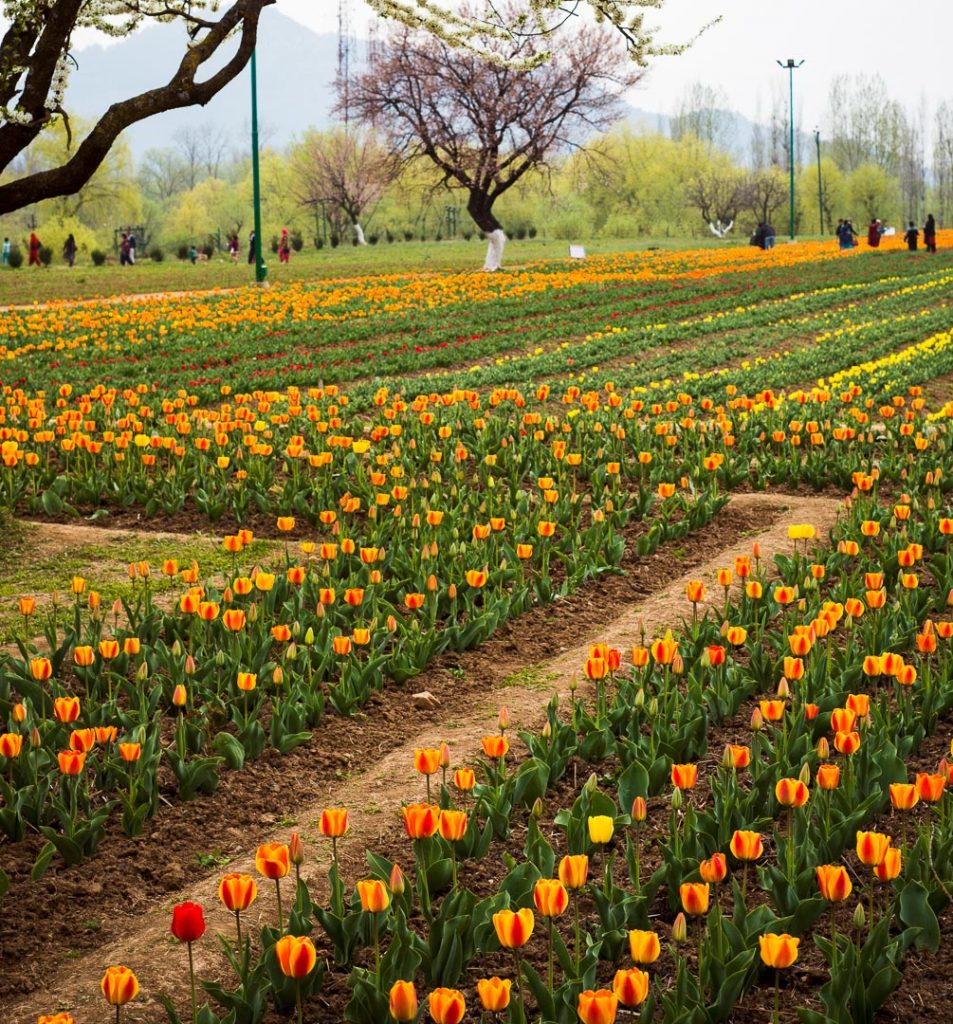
x=531, y=231
x=182, y=252
x=467, y=234
x=389, y=235
x=297, y=242
x=319, y=243
x=98, y=257
x=16, y=257
x=520, y=233
x=156, y=254
x=408, y=236
x=374, y=239
x=335, y=240
x=46, y=255
x=274, y=243
x=208, y=249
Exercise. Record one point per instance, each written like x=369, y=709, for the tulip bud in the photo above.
x=177, y=649
x=252, y=614
x=592, y=783
x=35, y=738
x=142, y=672
x=677, y=666
x=757, y=720
x=504, y=719
x=189, y=666
x=295, y=849
x=805, y=774
x=680, y=928
x=278, y=675
x=444, y=758
x=860, y=918
x=219, y=658
x=547, y=730
x=640, y=698
x=653, y=707
x=640, y=809
x=309, y=636
x=784, y=691
x=676, y=799
x=823, y=748
x=292, y=653
x=179, y=696
x=397, y=885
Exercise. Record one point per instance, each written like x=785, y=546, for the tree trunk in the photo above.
x=359, y=234
x=480, y=208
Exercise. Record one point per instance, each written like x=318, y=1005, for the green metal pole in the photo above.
x=261, y=270
x=820, y=187
x=791, y=151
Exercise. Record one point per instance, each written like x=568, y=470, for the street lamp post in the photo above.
x=820, y=186
x=791, y=66
x=260, y=269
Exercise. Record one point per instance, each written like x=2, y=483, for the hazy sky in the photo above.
x=901, y=41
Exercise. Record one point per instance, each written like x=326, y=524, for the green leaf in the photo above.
x=916, y=912
x=231, y=749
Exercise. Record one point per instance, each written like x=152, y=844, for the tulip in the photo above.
x=930, y=787
x=403, y=1001
x=684, y=776
x=834, y=882
x=464, y=779
x=828, y=777
x=446, y=1005
x=737, y=756
x=514, y=928
x=779, y=952
x=420, y=820
x=71, y=762
x=746, y=846
x=847, y=742
x=11, y=743
x=453, y=827
x=695, y=897
x=601, y=827
x=714, y=869
x=273, y=860
x=872, y=847
x=888, y=869
x=497, y=747
x=494, y=994
x=296, y=957
x=66, y=709
x=631, y=987
x=791, y=793
x=188, y=925
x=644, y=946
x=333, y=824
x=904, y=795
x=597, y=1007
x=56, y=1018
x=119, y=985
x=237, y=892
x=574, y=870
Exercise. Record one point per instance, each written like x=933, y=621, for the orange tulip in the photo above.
x=514, y=928
x=119, y=985
x=843, y=719
x=550, y=897
x=888, y=869
x=930, y=787
x=904, y=795
x=273, y=860
x=82, y=740
x=872, y=847
x=772, y=710
x=828, y=777
x=373, y=895
x=631, y=986
x=494, y=994
x=597, y=1007
x=746, y=845
x=737, y=756
x=453, y=825
x=847, y=742
x=791, y=793
x=834, y=882
x=778, y=951
x=296, y=956
x=402, y=1001
x=41, y=669
x=464, y=779
x=11, y=743
x=234, y=619
x=427, y=760
x=644, y=946
x=446, y=1005
x=684, y=776
x=714, y=869
x=420, y=820
x=237, y=892
x=695, y=897
x=333, y=822
x=574, y=871
x=495, y=746
x=71, y=762
x=83, y=656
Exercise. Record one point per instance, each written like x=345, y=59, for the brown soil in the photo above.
x=114, y=908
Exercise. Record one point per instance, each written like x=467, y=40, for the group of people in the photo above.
x=127, y=249
x=912, y=236
x=846, y=235
x=875, y=232
x=284, y=247
x=764, y=236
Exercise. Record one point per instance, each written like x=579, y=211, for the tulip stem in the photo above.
x=576, y=929
x=281, y=917
x=118, y=1008
x=550, y=945
x=336, y=896
x=833, y=941
x=777, y=996
x=192, y=980
x=519, y=986
x=238, y=926
x=298, y=1001
x=377, y=954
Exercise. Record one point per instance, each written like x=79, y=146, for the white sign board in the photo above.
x=577, y=252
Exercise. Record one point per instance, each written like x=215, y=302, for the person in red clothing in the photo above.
x=873, y=234
x=34, y=250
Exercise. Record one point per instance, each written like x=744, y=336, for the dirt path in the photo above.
x=374, y=795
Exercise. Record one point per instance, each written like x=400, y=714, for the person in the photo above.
x=34, y=250
x=851, y=234
x=69, y=250
x=251, y=247
x=233, y=247
x=912, y=237
x=284, y=247
x=6, y=252
x=768, y=236
x=929, y=234
x=193, y=254
x=873, y=233
x=124, y=250
x=132, y=248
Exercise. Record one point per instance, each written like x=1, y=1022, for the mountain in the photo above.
x=295, y=74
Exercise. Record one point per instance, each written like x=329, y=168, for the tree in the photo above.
x=486, y=123
x=765, y=193
x=872, y=189
x=719, y=192
x=703, y=113
x=34, y=70
x=162, y=174
x=943, y=160
x=345, y=170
